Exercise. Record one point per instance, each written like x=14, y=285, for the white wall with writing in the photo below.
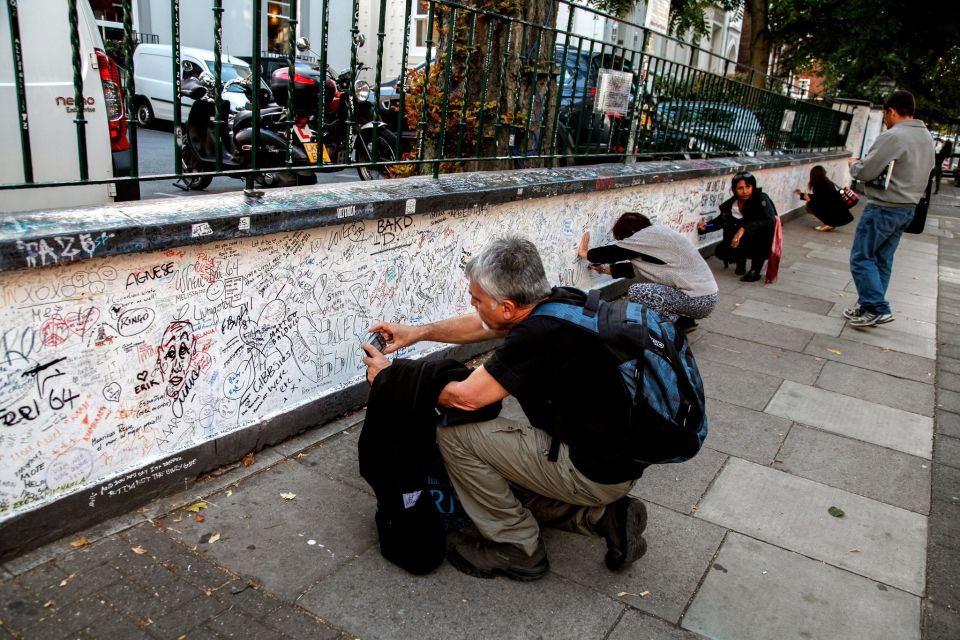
x=111, y=366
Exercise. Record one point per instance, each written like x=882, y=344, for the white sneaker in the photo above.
x=852, y=312
x=871, y=320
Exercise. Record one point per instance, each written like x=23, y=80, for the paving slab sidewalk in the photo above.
x=806, y=414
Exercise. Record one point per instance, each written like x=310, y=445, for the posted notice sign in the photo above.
x=658, y=15
x=613, y=92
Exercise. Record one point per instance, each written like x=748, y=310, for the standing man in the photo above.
x=906, y=143
x=571, y=468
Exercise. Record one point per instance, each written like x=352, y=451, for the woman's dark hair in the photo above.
x=819, y=180
x=743, y=175
x=629, y=223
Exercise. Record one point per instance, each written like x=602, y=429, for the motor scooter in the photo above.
x=350, y=125
x=198, y=143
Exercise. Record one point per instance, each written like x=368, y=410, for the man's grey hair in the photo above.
x=510, y=269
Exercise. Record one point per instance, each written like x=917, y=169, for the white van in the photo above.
x=47, y=63
x=153, y=76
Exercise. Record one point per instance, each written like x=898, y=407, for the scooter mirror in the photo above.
x=303, y=43
x=359, y=39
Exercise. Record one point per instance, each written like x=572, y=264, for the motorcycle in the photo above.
x=198, y=143
x=350, y=129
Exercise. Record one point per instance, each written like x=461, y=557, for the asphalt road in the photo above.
x=155, y=151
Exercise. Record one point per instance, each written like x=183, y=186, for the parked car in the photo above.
x=691, y=126
x=152, y=70
x=46, y=58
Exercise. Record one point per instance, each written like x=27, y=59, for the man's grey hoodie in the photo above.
x=908, y=143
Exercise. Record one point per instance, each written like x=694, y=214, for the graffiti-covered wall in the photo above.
x=112, y=366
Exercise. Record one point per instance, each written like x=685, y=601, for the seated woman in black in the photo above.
x=748, y=220
x=824, y=201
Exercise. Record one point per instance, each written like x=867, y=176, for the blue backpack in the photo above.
x=660, y=376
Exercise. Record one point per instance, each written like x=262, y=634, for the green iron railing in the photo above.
x=493, y=92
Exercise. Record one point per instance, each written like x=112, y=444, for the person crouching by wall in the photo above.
x=748, y=220
x=673, y=278
x=824, y=201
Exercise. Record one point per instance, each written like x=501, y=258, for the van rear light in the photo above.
x=113, y=101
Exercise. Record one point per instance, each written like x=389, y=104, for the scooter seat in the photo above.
x=244, y=118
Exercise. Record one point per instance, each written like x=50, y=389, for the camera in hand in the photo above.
x=377, y=341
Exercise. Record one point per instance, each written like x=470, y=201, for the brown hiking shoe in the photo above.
x=485, y=559
x=621, y=525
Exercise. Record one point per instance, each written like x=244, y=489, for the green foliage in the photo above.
x=689, y=16
x=866, y=48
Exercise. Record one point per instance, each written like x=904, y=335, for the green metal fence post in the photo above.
x=218, y=82
x=130, y=89
x=78, y=100
x=292, y=23
x=487, y=64
x=178, y=136
x=322, y=103
x=425, y=93
x=248, y=190
x=560, y=86
x=17, y=48
x=402, y=79
x=451, y=36
x=381, y=34
x=463, y=108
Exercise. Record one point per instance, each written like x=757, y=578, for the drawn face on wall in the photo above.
x=174, y=354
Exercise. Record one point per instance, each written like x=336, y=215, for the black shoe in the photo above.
x=621, y=525
x=485, y=559
x=752, y=276
x=686, y=324
x=741, y=268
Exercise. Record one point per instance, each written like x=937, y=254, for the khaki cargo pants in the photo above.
x=507, y=485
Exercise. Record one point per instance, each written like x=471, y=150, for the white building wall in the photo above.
x=196, y=26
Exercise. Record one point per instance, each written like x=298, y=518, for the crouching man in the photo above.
x=567, y=470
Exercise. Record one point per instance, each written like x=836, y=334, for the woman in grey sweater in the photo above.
x=673, y=278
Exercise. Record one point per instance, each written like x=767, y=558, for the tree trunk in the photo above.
x=501, y=74
x=759, y=41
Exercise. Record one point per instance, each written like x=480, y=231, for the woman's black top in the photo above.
x=827, y=205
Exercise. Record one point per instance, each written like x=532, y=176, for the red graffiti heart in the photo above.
x=80, y=322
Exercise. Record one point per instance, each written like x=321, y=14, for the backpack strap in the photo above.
x=574, y=314
x=592, y=304
x=570, y=313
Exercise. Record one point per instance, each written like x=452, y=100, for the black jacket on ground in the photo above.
x=758, y=222
x=397, y=450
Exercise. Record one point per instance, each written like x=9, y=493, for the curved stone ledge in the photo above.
x=47, y=238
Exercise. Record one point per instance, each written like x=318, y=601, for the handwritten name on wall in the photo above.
x=111, y=364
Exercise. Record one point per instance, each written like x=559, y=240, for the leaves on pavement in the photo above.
x=836, y=512
x=138, y=550
x=196, y=507
x=288, y=496
x=209, y=538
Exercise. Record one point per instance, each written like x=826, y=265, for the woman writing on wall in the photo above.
x=673, y=278
x=824, y=201
x=748, y=220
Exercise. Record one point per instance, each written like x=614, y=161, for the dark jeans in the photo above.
x=871, y=257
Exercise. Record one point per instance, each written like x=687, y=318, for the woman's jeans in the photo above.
x=871, y=257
